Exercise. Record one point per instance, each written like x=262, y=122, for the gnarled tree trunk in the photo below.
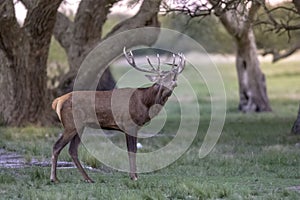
x=78, y=38
x=252, y=83
x=23, y=57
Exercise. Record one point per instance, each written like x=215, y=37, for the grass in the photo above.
x=255, y=157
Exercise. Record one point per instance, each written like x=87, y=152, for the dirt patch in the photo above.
x=14, y=160
x=295, y=188
x=11, y=160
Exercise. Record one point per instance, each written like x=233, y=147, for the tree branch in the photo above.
x=89, y=20
x=234, y=15
x=27, y=3
x=42, y=11
x=193, y=9
x=147, y=16
x=200, y=8
x=63, y=30
x=255, y=6
x=283, y=54
x=297, y=5
x=87, y=34
x=279, y=26
x=10, y=31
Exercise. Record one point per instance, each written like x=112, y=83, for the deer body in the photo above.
x=140, y=101
x=125, y=109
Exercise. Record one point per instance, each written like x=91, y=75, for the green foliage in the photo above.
x=208, y=31
x=57, y=53
x=57, y=63
x=111, y=22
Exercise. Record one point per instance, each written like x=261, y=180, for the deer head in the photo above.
x=163, y=78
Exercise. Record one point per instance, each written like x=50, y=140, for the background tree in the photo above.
x=282, y=21
x=80, y=36
x=23, y=56
x=252, y=82
x=24, y=96
x=287, y=22
x=237, y=18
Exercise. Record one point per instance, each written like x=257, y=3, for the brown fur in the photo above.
x=139, y=100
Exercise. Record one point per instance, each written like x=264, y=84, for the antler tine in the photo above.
x=174, y=60
x=181, y=64
x=128, y=56
x=130, y=59
x=158, y=62
x=149, y=61
x=157, y=69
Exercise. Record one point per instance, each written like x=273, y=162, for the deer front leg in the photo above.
x=131, y=147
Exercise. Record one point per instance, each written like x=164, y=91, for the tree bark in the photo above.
x=297, y=5
x=252, y=83
x=78, y=38
x=23, y=57
x=296, y=126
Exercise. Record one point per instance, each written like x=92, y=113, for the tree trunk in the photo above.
x=23, y=94
x=296, y=126
x=252, y=82
x=78, y=38
x=23, y=57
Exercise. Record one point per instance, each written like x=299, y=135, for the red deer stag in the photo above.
x=139, y=109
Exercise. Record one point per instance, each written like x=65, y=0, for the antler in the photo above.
x=180, y=66
x=130, y=59
x=177, y=68
x=158, y=63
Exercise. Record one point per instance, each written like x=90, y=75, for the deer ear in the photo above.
x=152, y=78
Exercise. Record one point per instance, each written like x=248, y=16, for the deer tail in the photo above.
x=58, y=103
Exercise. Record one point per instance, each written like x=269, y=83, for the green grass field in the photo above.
x=256, y=157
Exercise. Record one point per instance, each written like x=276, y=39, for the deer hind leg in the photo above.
x=57, y=147
x=132, y=149
x=73, y=151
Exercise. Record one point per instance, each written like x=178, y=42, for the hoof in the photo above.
x=89, y=181
x=134, y=177
x=54, y=180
